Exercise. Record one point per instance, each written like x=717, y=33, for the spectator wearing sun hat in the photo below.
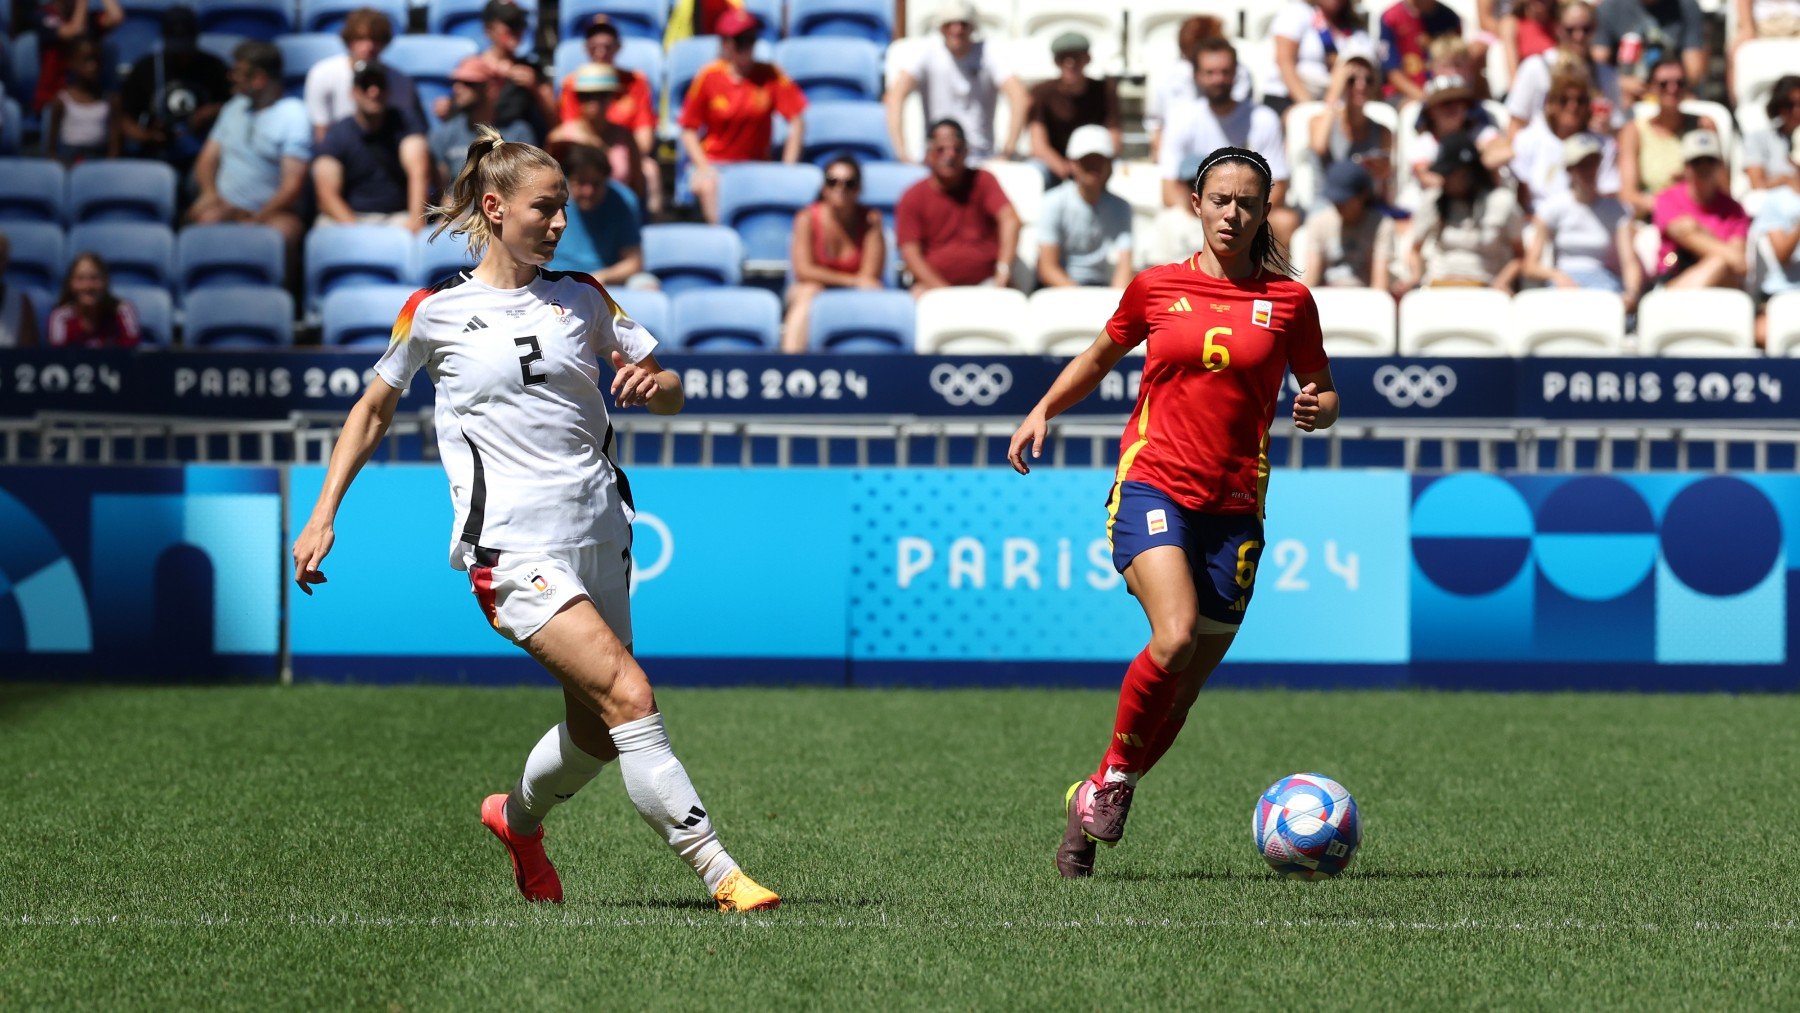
x=596, y=87
x=1703, y=228
x=1350, y=240
x=1084, y=231
x=471, y=103
x=960, y=78
x=1068, y=102
x=729, y=113
x=634, y=107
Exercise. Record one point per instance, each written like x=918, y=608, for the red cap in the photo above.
x=736, y=21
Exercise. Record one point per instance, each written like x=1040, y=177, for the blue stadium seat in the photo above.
x=155, y=310
x=339, y=256
x=647, y=306
x=299, y=51
x=24, y=76
x=328, y=15
x=12, y=131
x=137, y=253
x=122, y=190
x=440, y=258
x=32, y=190
x=140, y=34
x=211, y=256
x=241, y=316
x=772, y=13
x=684, y=62
x=428, y=60
x=726, y=319
x=858, y=19
x=884, y=182
x=686, y=256
x=39, y=253
x=636, y=19
x=758, y=201
x=220, y=44
x=43, y=300
x=854, y=320
x=857, y=129
x=832, y=70
x=252, y=19
x=463, y=18
x=362, y=316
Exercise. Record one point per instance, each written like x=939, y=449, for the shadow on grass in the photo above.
x=1351, y=875
x=788, y=900
x=19, y=700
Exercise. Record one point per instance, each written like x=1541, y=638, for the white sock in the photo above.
x=554, y=772
x=1115, y=775
x=665, y=798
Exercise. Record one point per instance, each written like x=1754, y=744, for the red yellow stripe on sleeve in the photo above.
x=403, y=323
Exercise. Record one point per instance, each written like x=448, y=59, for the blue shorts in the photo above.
x=1222, y=549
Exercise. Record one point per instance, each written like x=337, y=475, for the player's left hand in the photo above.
x=1306, y=408
x=632, y=384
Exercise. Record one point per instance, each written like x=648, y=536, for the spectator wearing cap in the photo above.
x=1531, y=85
x=1703, y=229
x=1349, y=240
x=1650, y=147
x=374, y=166
x=1084, y=231
x=837, y=243
x=18, y=317
x=1344, y=132
x=596, y=87
x=960, y=78
x=1068, y=102
x=697, y=17
x=1311, y=38
x=1589, y=230
x=1173, y=85
x=1538, y=161
x=1634, y=35
x=1449, y=107
x=1219, y=121
x=729, y=113
x=520, y=90
x=253, y=167
x=633, y=107
x=366, y=33
x=471, y=103
x=171, y=97
x=1470, y=232
x=1407, y=29
x=60, y=24
x=604, y=235
x=955, y=227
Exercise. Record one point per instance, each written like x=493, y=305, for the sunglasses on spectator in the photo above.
x=1583, y=29
x=1570, y=100
x=842, y=182
x=1670, y=84
x=948, y=149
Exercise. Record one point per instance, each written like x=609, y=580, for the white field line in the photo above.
x=351, y=921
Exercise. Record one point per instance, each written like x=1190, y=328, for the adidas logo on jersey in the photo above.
x=1181, y=305
x=474, y=324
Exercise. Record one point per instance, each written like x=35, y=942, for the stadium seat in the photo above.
x=832, y=70
x=220, y=44
x=12, y=132
x=636, y=19
x=39, y=253
x=1303, y=180
x=758, y=201
x=43, y=300
x=1063, y=321
x=32, y=190
x=1782, y=316
x=884, y=182
x=686, y=256
x=439, y=258
x=252, y=19
x=1150, y=42
x=155, y=311
x=240, y=316
x=362, y=316
x=140, y=34
x=647, y=306
x=1023, y=184
x=970, y=321
x=463, y=18
x=726, y=319
x=857, y=129
x=339, y=256
x=857, y=320
x=1697, y=322
x=1456, y=322
x=772, y=13
x=136, y=253
x=428, y=60
x=1356, y=321
x=1041, y=21
x=1569, y=321
x=328, y=15
x=122, y=190
x=299, y=51
x=872, y=20
x=208, y=256
x=24, y=58
x=1757, y=65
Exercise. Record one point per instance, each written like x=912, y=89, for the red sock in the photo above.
x=1144, y=702
x=1165, y=737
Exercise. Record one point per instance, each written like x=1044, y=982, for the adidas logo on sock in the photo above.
x=695, y=815
x=474, y=324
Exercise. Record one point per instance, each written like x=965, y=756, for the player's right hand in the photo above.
x=1031, y=434
x=309, y=551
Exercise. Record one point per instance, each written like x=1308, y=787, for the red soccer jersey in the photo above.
x=736, y=116
x=1212, y=377
x=633, y=109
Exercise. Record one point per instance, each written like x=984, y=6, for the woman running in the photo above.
x=543, y=515
x=1185, y=514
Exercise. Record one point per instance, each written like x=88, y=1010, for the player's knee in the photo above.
x=1172, y=645
x=629, y=698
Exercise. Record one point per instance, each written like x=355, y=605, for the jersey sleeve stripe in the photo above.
x=403, y=323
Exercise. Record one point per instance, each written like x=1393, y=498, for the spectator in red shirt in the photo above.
x=955, y=227
x=596, y=87
x=733, y=100
x=87, y=314
x=634, y=107
x=1407, y=29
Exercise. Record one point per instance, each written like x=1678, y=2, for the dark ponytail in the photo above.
x=1264, y=249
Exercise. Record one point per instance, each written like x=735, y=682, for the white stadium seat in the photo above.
x=1569, y=321
x=1063, y=321
x=1757, y=65
x=1456, y=321
x=1697, y=322
x=971, y=321
x=1043, y=20
x=1303, y=183
x=1023, y=183
x=1356, y=321
x=1783, y=317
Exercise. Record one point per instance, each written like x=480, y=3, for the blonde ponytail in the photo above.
x=493, y=165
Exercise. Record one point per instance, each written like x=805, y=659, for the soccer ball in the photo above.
x=1306, y=826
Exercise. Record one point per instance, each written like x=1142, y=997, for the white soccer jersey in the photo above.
x=521, y=414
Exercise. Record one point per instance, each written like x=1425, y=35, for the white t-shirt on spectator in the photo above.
x=1531, y=85
x=1301, y=22
x=1475, y=245
x=1538, y=163
x=1585, y=236
x=1194, y=130
x=964, y=90
x=1769, y=149
x=1174, y=85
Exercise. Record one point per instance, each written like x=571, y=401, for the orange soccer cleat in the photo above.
x=532, y=870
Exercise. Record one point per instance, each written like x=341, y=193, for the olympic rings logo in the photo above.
x=971, y=384
x=1415, y=386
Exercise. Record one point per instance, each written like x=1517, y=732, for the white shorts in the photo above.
x=520, y=591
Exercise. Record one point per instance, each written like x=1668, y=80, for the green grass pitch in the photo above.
x=318, y=848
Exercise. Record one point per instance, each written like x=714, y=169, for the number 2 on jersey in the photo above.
x=528, y=354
